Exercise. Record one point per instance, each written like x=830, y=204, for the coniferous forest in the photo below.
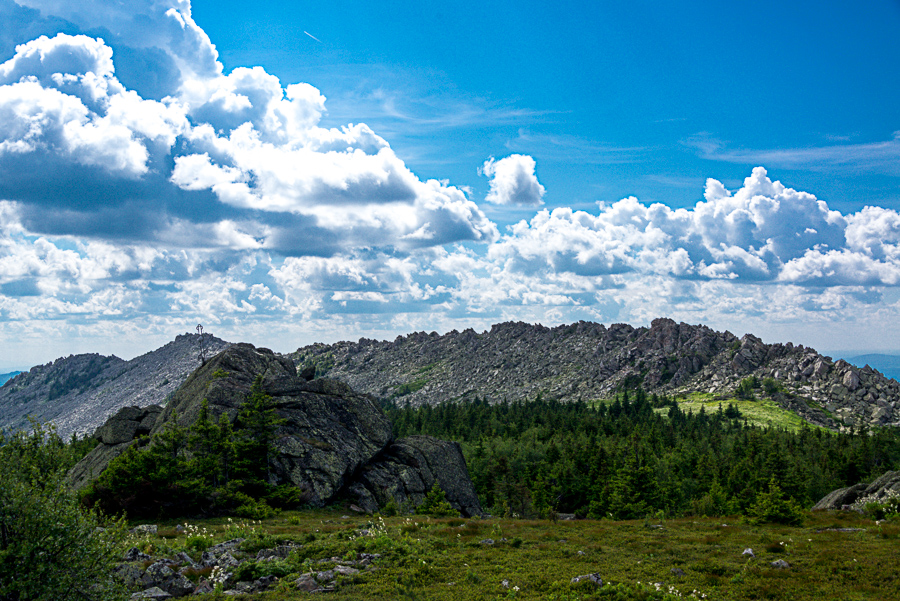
x=640, y=455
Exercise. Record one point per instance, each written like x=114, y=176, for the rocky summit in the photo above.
x=333, y=442
x=79, y=392
x=512, y=361
x=584, y=361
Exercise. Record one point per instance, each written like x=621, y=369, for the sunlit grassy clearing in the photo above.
x=759, y=412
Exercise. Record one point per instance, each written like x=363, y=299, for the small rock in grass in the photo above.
x=145, y=529
x=152, y=593
x=749, y=553
x=595, y=578
x=134, y=554
x=203, y=588
x=306, y=583
x=677, y=572
x=780, y=564
x=345, y=571
x=487, y=541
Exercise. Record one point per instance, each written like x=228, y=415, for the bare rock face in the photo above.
x=843, y=497
x=330, y=440
x=406, y=471
x=79, y=392
x=128, y=424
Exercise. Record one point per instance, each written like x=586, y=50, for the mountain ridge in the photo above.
x=8, y=376
x=513, y=361
x=79, y=392
x=887, y=364
x=587, y=361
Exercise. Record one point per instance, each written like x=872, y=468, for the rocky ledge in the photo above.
x=852, y=497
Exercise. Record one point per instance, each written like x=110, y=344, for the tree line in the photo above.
x=641, y=455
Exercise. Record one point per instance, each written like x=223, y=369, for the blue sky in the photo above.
x=290, y=172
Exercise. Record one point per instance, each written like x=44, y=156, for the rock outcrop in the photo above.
x=118, y=433
x=329, y=432
x=329, y=439
x=407, y=470
x=79, y=392
x=844, y=498
x=585, y=361
x=160, y=577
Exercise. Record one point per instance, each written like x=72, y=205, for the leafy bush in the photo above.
x=390, y=508
x=770, y=386
x=746, y=387
x=50, y=547
x=714, y=503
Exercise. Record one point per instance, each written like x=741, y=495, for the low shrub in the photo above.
x=436, y=504
x=772, y=507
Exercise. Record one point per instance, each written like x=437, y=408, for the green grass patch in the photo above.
x=428, y=558
x=760, y=412
x=410, y=387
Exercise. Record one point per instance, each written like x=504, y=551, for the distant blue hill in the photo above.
x=9, y=376
x=889, y=365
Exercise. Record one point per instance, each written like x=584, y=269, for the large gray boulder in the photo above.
x=332, y=440
x=127, y=424
x=118, y=433
x=329, y=432
x=407, y=470
x=842, y=497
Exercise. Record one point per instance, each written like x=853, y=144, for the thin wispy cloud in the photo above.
x=411, y=101
x=562, y=147
x=873, y=157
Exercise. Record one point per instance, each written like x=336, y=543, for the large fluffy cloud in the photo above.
x=238, y=159
x=761, y=232
x=513, y=181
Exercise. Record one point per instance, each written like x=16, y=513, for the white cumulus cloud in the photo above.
x=205, y=158
x=513, y=181
x=761, y=232
x=143, y=186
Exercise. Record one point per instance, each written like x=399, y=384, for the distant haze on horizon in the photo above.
x=294, y=172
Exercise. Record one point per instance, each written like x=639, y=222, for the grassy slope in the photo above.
x=427, y=558
x=760, y=412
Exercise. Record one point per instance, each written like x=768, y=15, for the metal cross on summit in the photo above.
x=200, y=333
